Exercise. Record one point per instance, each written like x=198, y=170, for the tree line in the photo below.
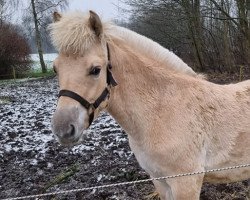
x=207, y=34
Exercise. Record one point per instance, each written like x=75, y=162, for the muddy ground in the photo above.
x=32, y=162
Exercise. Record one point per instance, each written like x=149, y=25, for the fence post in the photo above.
x=241, y=73
x=14, y=72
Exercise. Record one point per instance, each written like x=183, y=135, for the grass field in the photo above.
x=37, y=73
x=34, y=72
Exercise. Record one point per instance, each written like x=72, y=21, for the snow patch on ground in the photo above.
x=31, y=158
x=25, y=124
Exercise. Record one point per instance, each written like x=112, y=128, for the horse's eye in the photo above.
x=95, y=71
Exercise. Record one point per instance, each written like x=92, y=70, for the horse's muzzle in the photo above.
x=68, y=124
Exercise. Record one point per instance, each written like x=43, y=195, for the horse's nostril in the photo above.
x=72, y=130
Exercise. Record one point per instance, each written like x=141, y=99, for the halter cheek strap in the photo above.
x=104, y=95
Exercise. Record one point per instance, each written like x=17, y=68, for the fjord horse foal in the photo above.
x=176, y=121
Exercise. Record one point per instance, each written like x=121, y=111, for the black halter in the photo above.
x=104, y=95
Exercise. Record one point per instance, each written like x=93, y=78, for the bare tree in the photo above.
x=244, y=26
x=225, y=35
x=242, y=22
x=193, y=15
x=38, y=12
x=6, y=8
x=212, y=34
x=178, y=24
x=38, y=37
x=163, y=21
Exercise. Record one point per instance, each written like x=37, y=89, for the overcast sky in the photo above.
x=107, y=9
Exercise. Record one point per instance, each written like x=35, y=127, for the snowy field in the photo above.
x=46, y=56
x=31, y=159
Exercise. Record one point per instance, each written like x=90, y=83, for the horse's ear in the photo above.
x=56, y=16
x=95, y=23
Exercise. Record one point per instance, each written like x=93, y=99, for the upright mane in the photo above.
x=73, y=35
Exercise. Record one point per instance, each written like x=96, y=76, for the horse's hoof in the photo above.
x=152, y=196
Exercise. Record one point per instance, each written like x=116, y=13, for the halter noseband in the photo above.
x=104, y=95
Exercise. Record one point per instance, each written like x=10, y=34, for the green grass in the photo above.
x=63, y=176
x=5, y=100
x=39, y=74
x=32, y=74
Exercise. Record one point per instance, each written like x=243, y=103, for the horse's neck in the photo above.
x=141, y=85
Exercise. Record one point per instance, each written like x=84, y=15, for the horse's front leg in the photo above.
x=182, y=188
x=186, y=188
x=163, y=189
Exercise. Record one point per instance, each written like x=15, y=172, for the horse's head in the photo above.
x=83, y=71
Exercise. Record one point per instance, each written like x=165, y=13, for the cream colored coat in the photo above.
x=176, y=121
